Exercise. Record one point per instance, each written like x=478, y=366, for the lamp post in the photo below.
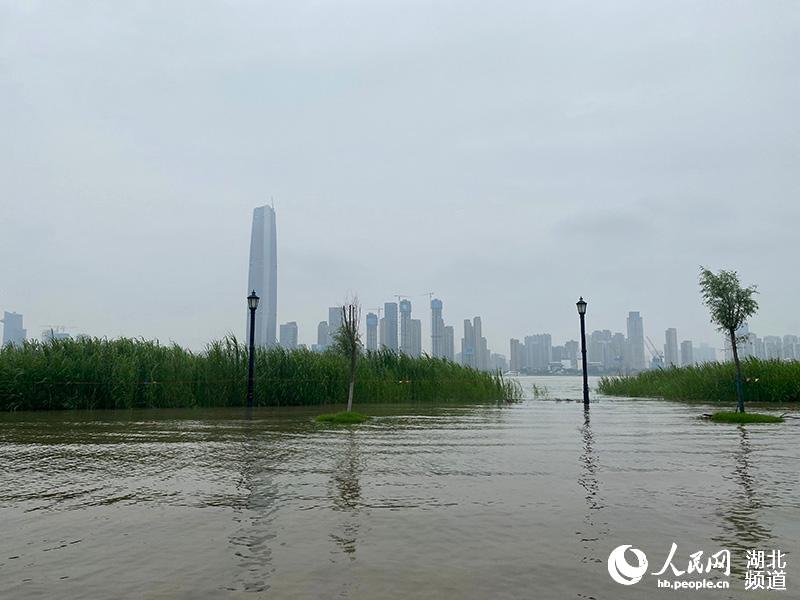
x=581, y=304
x=252, y=304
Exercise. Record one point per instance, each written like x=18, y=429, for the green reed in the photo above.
x=764, y=381
x=136, y=373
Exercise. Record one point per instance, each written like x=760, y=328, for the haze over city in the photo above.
x=440, y=149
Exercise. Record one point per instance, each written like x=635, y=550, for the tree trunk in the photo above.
x=739, y=389
x=352, y=382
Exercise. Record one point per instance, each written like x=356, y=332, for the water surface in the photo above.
x=468, y=502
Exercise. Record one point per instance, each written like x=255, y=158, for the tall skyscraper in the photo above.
x=449, y=343
x=687, y=354
x=437, y=329
x=538, y=351
x=372, y=332
x=13, y=332
x=671, y=357
x=634, y=356
x=322, y=336
x=388, y=326
x=334, y=322
x=468, y=345
x=405, y=327
x=263, y=275
x=474, y=351
x=571, y=350
x=515, y=355
x=288, y=335
x=415, y=329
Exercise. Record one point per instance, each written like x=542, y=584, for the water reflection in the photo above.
x=744, y=529
x=252, y=541
x=593, y=528
x=346, y=495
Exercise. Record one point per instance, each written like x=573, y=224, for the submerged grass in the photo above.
x=745, y=417
x=135, y=373
x=343, y=417
x=764, y=381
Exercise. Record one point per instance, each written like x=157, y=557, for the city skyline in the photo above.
x=405, y=155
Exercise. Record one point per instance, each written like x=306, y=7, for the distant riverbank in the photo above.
x=129, y=373
x=764, y=381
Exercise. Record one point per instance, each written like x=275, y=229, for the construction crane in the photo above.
x=379, y=309
x=658, y=356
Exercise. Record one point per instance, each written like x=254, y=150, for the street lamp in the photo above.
x=581, y=304
x=252, y=304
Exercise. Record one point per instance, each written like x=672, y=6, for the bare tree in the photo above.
x=348, y=341
x=730, y=305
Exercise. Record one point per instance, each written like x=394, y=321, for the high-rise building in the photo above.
x=538, y=352
x=571, y=349
x=618, y=352
x=449, y=343
x=437, y=329
x=634, y=354
x=773, y=347
x=415, y=335
x=671, y=356
x=372, y=332
x=322, y=336
x=687, y=354
x=704, y=354
x=405, y=327
x=263, y=275
x=13, y=331
x=515, y=355
x=791, y=347
x=474, y=351
x=388, y=327
x=288, y=335
x=468, y=345
x=334, y=322
x=599, y=349
x=497, y=362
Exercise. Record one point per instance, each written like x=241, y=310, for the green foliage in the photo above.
x=347, y=338
x=738, y=417
x=135, y=373
x=730, y=304
x=343, y=417
x=763, y=381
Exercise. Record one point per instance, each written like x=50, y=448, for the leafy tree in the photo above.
x=347, y=341
x=730, y=306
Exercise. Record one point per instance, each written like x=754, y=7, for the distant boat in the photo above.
x=511, y=374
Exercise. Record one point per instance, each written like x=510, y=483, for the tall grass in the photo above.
x=764, y=381
x=135, y=373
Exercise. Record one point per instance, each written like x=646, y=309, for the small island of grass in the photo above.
x=343, y=417
x=746, y=417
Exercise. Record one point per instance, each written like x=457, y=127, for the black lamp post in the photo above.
x=252, y=304
x=581, y=304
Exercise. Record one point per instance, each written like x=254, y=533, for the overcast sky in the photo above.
x=508, y=156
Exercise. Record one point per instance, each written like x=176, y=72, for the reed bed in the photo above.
x=136, y=373
x=764, y=381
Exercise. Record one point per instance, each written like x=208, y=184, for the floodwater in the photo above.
x=523, y=501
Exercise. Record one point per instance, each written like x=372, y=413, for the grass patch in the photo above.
x=763, y=381
x=343, y=417
x=135, y=373
x=746, y=417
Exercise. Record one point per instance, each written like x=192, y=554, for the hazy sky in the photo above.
x=507, y=156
